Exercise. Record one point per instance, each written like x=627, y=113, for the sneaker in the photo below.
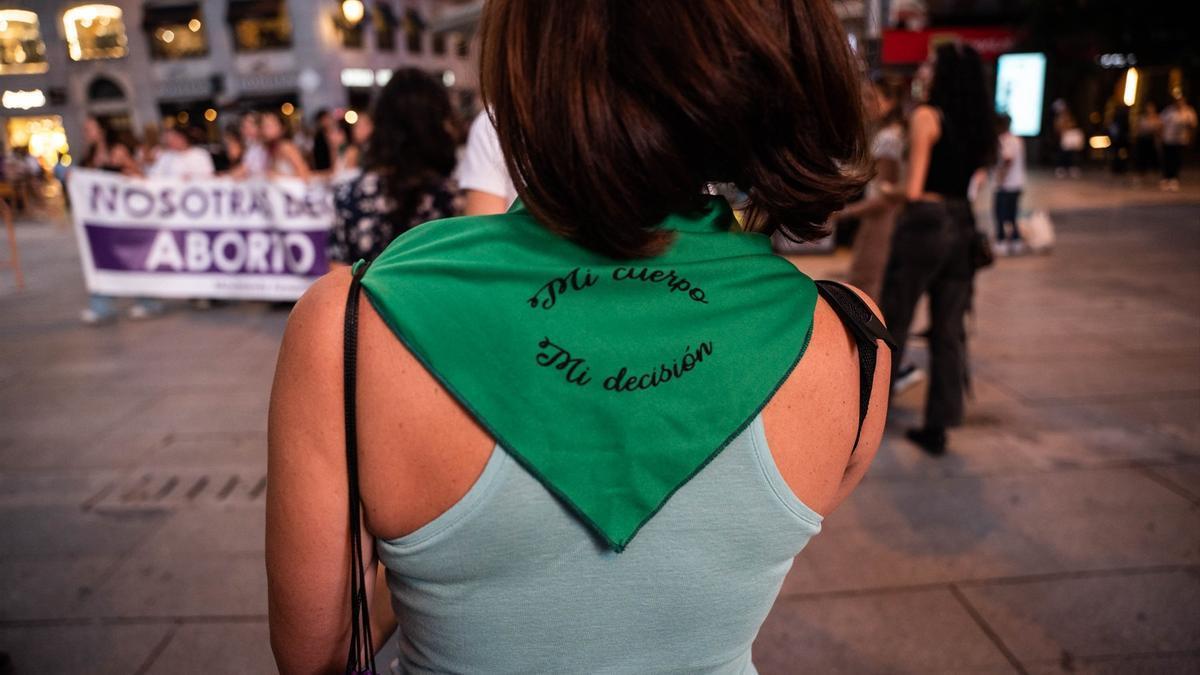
x=1018, y=247
x=91, y=317
x=1000, y=249
x=906, y=378
x=932, y=441
x=141, y=312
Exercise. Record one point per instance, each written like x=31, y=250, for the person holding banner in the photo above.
x=108, y=151
x=285, y=157
x=255, y=158
x=406, y=164
x=180, y=159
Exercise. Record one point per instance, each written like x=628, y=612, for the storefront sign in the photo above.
x=913, y=46
x=214, y=238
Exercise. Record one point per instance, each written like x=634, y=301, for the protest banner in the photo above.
x=211, y=238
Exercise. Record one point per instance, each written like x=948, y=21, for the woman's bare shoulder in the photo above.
x=812, y=421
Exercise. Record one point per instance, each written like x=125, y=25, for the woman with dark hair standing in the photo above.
x=112, y=151
x=284, y=158
x=592, y=432
x=951, y=137
x=108, y=149
x=406, y=167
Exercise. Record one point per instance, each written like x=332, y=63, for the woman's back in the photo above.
x=487, y=567
x=511, y=567
x=604, y=362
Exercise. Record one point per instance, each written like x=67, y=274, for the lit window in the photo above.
x=349, y=21
x=260, y=24
x=175, y=32
x=21, y=46
x=94, y=32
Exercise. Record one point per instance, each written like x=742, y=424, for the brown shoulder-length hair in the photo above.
x=614, y=113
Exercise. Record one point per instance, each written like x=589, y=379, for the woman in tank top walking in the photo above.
x=951, y=136
x=594, y=431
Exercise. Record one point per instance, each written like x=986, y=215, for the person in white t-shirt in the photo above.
x=1178, y=126
x=255, y=158
x=1010, y=181
x=482, y=172
x=180, y=159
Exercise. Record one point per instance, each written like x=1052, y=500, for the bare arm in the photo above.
x=872, y=428
x=120, y=156
x=350, y=159
x=887, y=173
x=307, y=551
x=481, y=203
x=291, y=155
x=923, y=132
x=1002, y=170
x=818, y=407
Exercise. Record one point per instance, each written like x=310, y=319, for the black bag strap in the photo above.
x=867, y=330
x=361, y=658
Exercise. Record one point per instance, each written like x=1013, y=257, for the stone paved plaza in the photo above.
x=1061, y=532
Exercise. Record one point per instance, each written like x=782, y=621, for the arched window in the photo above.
x=104, y=89
x=21, y=46
x=94, y=32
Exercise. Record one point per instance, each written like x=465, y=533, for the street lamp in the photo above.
x=1131, y=83
x=353, y=11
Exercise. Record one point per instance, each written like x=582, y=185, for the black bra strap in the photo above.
x=361, y=657
x=867, y=329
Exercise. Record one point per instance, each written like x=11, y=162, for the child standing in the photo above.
x=1010, y=181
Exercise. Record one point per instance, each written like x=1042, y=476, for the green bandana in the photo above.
x=613, y=382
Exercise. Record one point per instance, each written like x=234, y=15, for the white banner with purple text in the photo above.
x=212, y=238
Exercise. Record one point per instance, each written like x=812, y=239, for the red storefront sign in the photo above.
x=913, y=46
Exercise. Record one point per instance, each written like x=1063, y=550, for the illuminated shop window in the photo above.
x=21, y=46
x=350, y=22
x=44, y=137
x=94, y=32
x=175, y=32
x=260, y=24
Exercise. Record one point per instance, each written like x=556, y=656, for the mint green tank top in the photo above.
x=509, y=580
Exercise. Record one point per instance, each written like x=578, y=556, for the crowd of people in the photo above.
x=389, y=171
x=1160, y=139
x=1140, y=138
x=934, y=145
x=916, y=233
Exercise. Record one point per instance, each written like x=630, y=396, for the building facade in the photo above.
x=140, y=65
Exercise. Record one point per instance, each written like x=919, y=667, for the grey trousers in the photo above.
x=931, y=253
